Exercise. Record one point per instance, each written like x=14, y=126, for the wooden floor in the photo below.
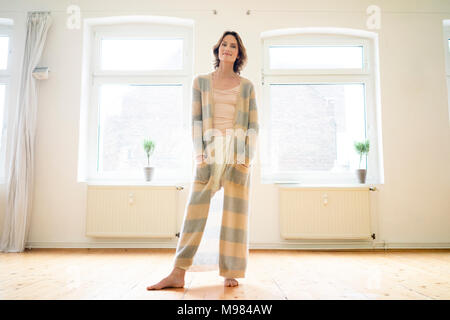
x=271, y=274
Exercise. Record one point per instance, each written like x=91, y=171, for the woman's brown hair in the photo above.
x=241, y=59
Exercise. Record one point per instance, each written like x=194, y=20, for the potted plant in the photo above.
x=361, y=147
x=149, y=147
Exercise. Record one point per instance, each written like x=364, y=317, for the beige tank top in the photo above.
x=224, y=108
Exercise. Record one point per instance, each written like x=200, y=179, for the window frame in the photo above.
x=131, y=32
x=5, y=79
x=99, y=77
x=316, y=41
x=365, y=76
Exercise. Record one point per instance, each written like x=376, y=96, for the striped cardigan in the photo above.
x=246, y=125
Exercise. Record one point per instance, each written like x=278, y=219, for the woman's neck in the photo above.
x=225, y=72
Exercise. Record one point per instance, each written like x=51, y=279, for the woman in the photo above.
x=225, y=129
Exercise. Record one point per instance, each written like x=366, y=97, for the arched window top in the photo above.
x=319, y=30
x=174, y=21
x=319, y=50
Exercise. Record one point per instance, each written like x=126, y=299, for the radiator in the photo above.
x=131, y=211
x=319, y=213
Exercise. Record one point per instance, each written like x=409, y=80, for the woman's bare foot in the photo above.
x=174, y=280
x=231, y=282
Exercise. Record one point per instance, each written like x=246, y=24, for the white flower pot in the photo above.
x=148, y=172
x=361, y=173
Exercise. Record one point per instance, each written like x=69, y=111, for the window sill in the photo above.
x=324, y=186
x=134, y=183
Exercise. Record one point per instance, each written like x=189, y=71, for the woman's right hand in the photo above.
x=200, y=159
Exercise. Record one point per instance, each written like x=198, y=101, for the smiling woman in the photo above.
x=230, y=49
x=212, y=213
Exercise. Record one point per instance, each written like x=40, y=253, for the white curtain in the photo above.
x=21, y=132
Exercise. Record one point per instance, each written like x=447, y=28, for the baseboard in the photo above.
x=337, y=245
x=98, y=244
x=328, y=245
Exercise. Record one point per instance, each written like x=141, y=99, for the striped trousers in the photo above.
x=233, y=245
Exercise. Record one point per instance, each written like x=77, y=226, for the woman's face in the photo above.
x=228, y=49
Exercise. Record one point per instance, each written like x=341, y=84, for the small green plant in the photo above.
x=362, y=147
x=149, y=147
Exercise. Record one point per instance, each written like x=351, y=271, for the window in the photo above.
x=142, y=54
x=447, y=60
x=315, y=57
x=319, y=94
x=5, y=80
x=141, y=86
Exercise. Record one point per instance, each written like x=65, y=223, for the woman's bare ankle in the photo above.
x=178, y=271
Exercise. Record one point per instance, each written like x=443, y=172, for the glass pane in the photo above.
x=2, y=110
x=128, y=114
x=313, y=127
x=142, y=54
x=4, y=50
x=315, y=57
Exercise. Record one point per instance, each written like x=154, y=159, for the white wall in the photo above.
x=413, y=206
